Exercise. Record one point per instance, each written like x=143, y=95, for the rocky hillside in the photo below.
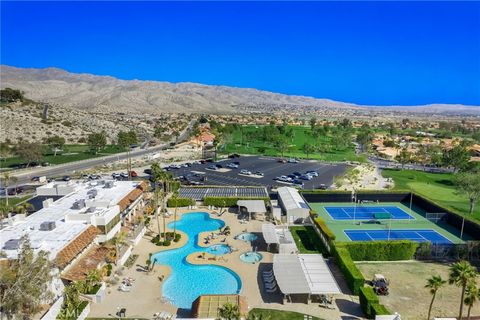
x=107, y=94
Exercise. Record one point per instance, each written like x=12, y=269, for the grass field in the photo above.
x=435, y=186
x=13, y=201
x=338, y=226
x=71, y=153
x=301, y=135
x=307, y=240
x=270, y=314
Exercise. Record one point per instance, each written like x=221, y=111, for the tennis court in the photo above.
x=361, y=212
x=420, y=235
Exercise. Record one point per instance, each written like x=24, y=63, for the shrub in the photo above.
x=228, y=201
x=167, y=243
x=178, y=236
x=370, y=304
x=320, y=223
x=380, y=250
x=180, y=202
x=353, y=276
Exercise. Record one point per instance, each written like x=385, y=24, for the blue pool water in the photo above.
x=247, y=236
x=251, y=257
x=186, y=281
x=219, y=249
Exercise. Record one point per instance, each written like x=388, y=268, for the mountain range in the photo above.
x=108, y=94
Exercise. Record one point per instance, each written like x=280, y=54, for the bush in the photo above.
x=167, y=243
x=228, y=201
x=180, y=202
x=370, y=304
x=353, y=276
x=380, y=250
x=320, y=223
x=178, y=236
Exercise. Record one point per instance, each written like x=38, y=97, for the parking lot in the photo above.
x=270, y=167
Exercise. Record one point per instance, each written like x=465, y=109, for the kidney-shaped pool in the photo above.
x=187, y=281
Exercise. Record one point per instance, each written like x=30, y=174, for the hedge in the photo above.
x=353, y=276
x=320, y=223
x=228, y=201
x=380, y=250
x=180, y=202
x=370, y=304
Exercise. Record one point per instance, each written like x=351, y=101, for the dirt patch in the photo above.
x=408, y=295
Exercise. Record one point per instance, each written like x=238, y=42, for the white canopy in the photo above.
x=304, y=274
x=257, y=206
x=291, y=199
x=269, y=233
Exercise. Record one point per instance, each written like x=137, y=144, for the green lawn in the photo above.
x=435, y=186
x=301, y=135
x=71, y=153
x=307, y=240
x=270, y=314
x=13, y=201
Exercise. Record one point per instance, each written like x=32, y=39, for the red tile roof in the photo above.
x=90, y=261
x=133, y=195
x=77, y=245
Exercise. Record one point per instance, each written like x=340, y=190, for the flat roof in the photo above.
x=291, y=198
x=277, y=234
x=257, y=206
x=304, y=274
x=105, y=200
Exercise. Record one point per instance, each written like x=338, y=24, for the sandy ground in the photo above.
x=407, y=293
x=145, y=297
x=368, y=178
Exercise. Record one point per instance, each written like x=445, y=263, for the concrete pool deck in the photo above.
x=145, y=297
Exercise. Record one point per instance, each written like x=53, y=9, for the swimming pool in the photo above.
x=187, y=281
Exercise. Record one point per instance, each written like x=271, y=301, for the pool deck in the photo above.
x=144, y=299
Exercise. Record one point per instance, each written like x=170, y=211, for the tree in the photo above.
x=365, y=138
x=159, y=176
x=468, y=184
x=71, y=302
x=22, y=207
x=5, y=209
x=97, y=141
x=281, y=145
x=434, y=284
x=7, y=178
x=25, y=282
x=55, y=143
x=404, y=157
x=10, y=95
x=313, y=123
x=229, y=311
x=472, y=295
x=461, y=274
x=93, y=278
x=308, y=148
x=30, y=152
x=422, y=156
x=119, y=240
x=456, y=157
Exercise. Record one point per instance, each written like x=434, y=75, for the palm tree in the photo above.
x=461, y=274
x=158, y=176
x=5, y=209
x=118, y=241
x=433, y=284
x=472, y=294
x=229, y=311
x=6, y=182
x=92, y=278
x=23, y=207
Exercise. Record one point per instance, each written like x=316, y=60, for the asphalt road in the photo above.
x=69, y=168
x=268, y=166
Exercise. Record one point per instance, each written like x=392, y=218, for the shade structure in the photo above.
x=304, y=274
x=253, y=206
x=269, y=233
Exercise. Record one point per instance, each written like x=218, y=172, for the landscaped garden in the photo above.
x=277, y=314
x=291, y=141
x=307, y=240
x=438, y=187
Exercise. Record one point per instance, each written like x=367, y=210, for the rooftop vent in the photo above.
x=47, y=226
x=79, y=204
x=12, y=244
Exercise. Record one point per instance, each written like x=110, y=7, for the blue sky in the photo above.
x=378, y=53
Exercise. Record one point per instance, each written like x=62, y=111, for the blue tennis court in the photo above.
x=367, y=213
x=421, y=235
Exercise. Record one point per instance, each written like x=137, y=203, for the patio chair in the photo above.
x=268, y=278
x=272, y=290
x=124, y=288
x=270, y=285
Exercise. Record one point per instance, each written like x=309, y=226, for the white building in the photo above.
x=294, y=207
x=279, y=236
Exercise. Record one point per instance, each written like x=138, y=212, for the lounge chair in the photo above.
x=270, y=285
x=268, y=279
x=272, y=290
x=124, y=288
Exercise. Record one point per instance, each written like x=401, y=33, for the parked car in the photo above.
x=312, y=173
x=282, y=161
x=234, y=155
x=219, y=166
x=133, y=174
x=245, y=172
x=292, y=176
x=66, y=178
x=115, y=175
x=174, y=166
x=297, y=174
x=15, y=191
x=35, y=179
x=298, y=183
x=306, y=177
x=260, y=174
x=212, y=167
x=232, y=166
x=94, y=177
x=124, y=175
x=292, y=160
x=322, y=187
